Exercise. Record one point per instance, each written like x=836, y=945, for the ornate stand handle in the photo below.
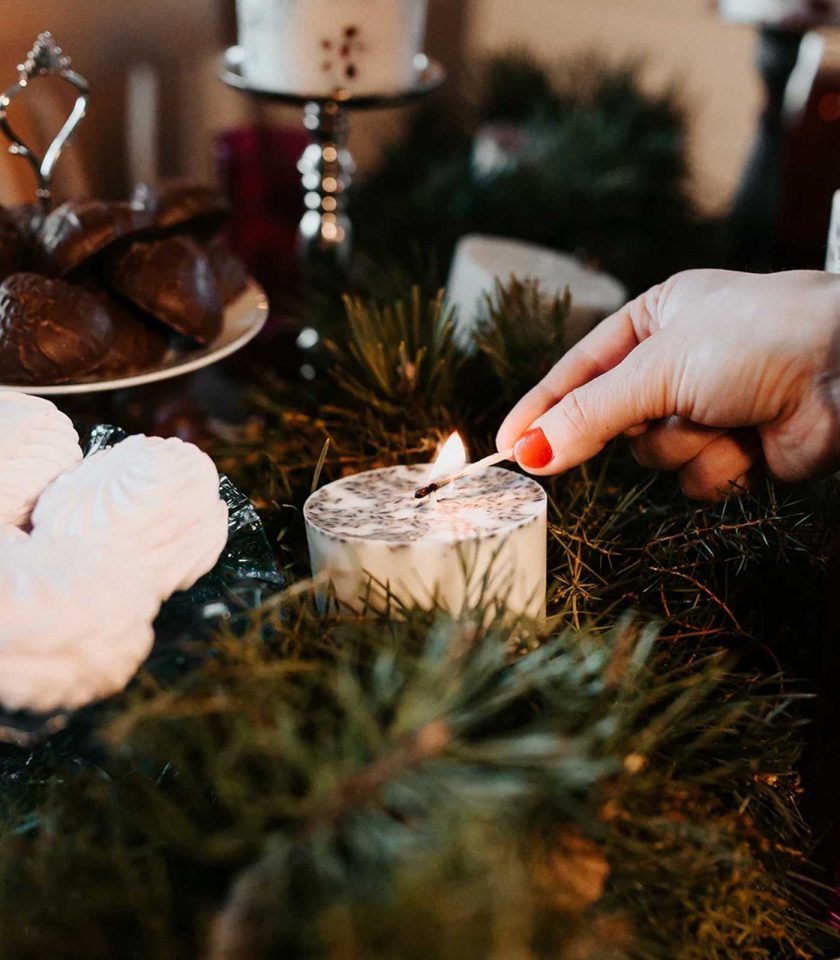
x=44, y=59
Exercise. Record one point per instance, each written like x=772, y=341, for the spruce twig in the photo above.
x=425, y=785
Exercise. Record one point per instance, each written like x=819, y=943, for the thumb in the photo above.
x=587, y=418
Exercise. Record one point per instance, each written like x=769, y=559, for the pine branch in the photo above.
x=363, y=768
x=398, y=355
x=590, y=787
x=520, y=334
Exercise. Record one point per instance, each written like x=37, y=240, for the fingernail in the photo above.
x=533, y=450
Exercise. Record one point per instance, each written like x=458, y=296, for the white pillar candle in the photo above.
x=484, y=536
x=142, y=126
x=481, y=261
x=832, y=255
x=318, y=46
x=802, y=14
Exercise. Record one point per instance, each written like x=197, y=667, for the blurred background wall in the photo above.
x=683, y=43
x=106, y=38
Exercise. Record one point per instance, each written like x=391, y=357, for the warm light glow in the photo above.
x=828, y=107
x=451, y=458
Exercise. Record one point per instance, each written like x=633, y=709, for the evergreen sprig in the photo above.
x=520, y=333
x=406, y=788
x=585, y=788
x=396, y=354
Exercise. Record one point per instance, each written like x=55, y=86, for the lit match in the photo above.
x=468, y=471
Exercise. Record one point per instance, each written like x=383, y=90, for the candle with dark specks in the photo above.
x=482, y=537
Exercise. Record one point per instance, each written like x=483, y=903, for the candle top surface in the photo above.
x=380, y=505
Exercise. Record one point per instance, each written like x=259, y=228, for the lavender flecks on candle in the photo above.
x=380, y=505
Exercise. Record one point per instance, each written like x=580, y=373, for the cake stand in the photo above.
x=326, y=166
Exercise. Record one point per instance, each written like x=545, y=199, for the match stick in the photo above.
x=468, y=471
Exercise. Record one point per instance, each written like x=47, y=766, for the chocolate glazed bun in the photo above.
x=230, y=272
x=80, y=229
x=28, y=218
x=11, y=244
x=179, y=203
x=172, y=280
x=50, y=331
x=139, y=343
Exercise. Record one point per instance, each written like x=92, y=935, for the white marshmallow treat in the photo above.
x=37, y=443
x=157, y=498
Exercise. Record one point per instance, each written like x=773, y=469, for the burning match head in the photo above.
x=441, y=480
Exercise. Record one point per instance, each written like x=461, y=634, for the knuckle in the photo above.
x=697, y=484
x=641, y=451
x=652, y=306
x=689, y=486
x=645, y=311
x=649, y=321
x=692, y=480
x=572, y=415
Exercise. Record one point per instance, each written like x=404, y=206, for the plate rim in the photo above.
x=208, y=356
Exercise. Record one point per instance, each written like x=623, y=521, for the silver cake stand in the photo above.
x=326, y=166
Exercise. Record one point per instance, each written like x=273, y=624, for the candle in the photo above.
x=480, y=262
x=482, y=539
x=142, y=122
x=787, y=14
x=314, y=47
x=832, y=257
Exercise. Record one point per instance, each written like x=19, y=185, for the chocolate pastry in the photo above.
x=173, y=281
x=12, y=248
x=80, y=229
x=179, y=203
x=28, y=218
x=230, y=272
x=139, y=343
x=50, y=331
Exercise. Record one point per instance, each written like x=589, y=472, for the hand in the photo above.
x=711, y=373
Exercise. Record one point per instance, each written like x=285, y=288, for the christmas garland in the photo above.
x=621, y=781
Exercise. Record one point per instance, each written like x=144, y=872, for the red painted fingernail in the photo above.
x=533, y=450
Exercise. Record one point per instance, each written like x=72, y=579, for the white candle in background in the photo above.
x=796, y=13
x=481, y=261
x=484, y=536
x=318, y=46
x=832, y=256
x=141, y=128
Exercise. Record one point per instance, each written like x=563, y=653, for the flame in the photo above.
x=451, y=458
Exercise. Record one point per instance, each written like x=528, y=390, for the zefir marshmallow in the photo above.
x=10, y=535
x=480, y=542
x=158, y=498
x=76, y=622
x=37, y=443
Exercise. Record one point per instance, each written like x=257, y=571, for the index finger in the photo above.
x=600, y=350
